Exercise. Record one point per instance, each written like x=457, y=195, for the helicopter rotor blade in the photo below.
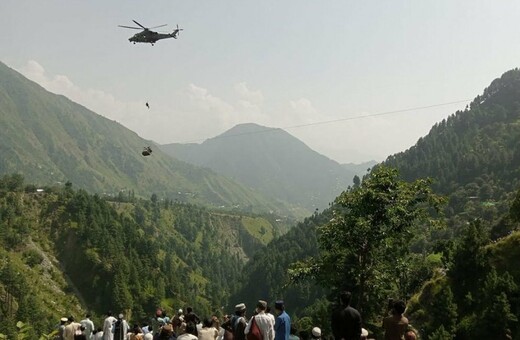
x=135, y=28
x=138, y=24
x=159, y=26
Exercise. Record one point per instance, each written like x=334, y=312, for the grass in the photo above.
x=259, y=228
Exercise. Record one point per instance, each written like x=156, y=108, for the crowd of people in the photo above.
x=262, y=325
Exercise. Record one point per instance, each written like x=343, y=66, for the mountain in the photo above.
x=473, y=158
x=50, y=139
x=360, y=169
x=271, y=161
x=473, y=155
x=64, y=251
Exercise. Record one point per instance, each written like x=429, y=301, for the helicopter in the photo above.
x=149, y=36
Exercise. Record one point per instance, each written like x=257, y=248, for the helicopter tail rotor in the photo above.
x=176, y=31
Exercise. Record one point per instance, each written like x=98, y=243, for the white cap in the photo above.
x=316, y=332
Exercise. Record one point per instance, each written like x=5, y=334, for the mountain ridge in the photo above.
x=473, y=158
x=51, y=139
x=269, y=160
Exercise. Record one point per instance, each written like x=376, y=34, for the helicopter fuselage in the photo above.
x=152, y=37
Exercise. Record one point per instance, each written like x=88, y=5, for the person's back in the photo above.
x=263, y=322
x=61, y=328
x=89, y=326
x=120, y=328
x=191, y=317
x=395, y=325
x=107, y=327
x=207, y=332
x=190, y=333
x=80, y=333
x=70, y=329
x=99, y=334
x=346, y=321
x=282, y=326
x=236, y=325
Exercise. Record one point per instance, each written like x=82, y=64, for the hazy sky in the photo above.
x=275, y=63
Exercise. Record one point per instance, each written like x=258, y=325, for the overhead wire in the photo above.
x=271, y=129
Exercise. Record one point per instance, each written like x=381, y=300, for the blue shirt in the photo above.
x=282, y=327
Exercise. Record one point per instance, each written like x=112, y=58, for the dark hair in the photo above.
x=190, y=328
x=82, y=327
x=399, y=307
x=88, y=315
x=304, y=335
x=345, y=297
x=71, y=318
x=294, y=331
x=207, y=322
x=189, y=309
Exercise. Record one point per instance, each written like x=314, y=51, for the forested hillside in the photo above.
x=272, y=162
x=64, y=251
x=269, y=267
x=50, y=139
x=463, y=273
x=474, y=155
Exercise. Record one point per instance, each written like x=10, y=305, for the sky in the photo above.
x=276, y=63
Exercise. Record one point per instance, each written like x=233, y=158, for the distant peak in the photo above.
x=246, y=128
x=250, y=127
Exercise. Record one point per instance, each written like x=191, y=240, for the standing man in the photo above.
x=89, y=326
x=120, y=328
x=107, y=327
x=282, y=326
x=237, y=323
x=395, y=325
x=61, y=328
x=263, y=321
x=346, y=321
x=193, y=318
x=70, y=329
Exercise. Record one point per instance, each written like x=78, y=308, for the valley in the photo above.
x=88, y=224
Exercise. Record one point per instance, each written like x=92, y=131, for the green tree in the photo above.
x=356, y=181
x=469, y=264
x=441, y=312
x=514, y=211
x=369, y=234
x=496, y=316
x=440, y=334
